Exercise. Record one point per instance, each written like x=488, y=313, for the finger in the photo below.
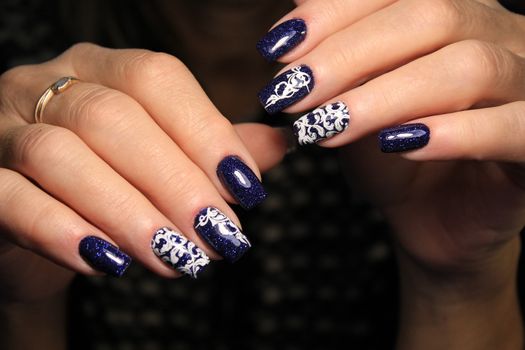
x=457, y=77
x=97, y=114
x=67, y=169
x=267, y=145
x=169, y=93
x=311, y=22
x=489, y=134
x=421, y=27
x=33, y=220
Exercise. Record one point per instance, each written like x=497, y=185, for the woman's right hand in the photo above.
x=133, y=148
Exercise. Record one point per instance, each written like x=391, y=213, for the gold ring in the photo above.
x=56, y=88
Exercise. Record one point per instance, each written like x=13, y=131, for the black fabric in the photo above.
x=321, y=274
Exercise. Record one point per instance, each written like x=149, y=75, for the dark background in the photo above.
x=321, y=272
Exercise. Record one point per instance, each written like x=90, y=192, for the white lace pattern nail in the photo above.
x=181, y=254
x=322, y=123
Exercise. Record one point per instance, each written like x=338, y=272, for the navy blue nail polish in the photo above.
x=179, y=253
x=221, y=233
x=404, y=138
x=322, y=123
x=241, y=182
x=282, y=39
x=103, y=256
x=286, y=89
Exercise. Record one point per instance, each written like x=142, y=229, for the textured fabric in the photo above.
x=320, y=273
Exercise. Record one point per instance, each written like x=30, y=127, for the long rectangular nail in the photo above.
x=103, y=256
x=287, y=88
x=322, y=123
x=221, y=233
x=282, y=39
x=178, y=252
x=241, y=182
x=404, y=138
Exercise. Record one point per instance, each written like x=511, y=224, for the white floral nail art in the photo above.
x=181, y=254
x=322, y=123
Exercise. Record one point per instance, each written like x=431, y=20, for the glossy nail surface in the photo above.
x=221, y=233
x=322, y=123
x=103, y=256
x=286, y=89
x=404, y=138
x=282, y=39
x=178, y=252
x=241, y=182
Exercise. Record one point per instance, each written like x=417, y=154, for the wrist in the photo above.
x=475, y=308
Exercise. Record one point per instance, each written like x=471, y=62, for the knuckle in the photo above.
x=37, y=143
x=149, y=67
x=445, y=17
x=79, y=48
x=97, y=107
x=480, y=64
x=12, y=82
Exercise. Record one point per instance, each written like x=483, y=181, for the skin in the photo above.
x=456, y=206
x=457, y=211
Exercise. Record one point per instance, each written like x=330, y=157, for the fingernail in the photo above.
x=286, y=89
x=404, y=138
x=103, y=256
x=221, y=233
x=241, y=182
x=282, y=39
x=322, y=123
x=179, y=253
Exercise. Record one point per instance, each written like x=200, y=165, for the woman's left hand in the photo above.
x=445, y=80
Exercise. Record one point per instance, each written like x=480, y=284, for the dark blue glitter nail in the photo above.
x=103, y=256
x=286, y=89
x=404, y=138
x=282, y=39
x=221, y=233
x=241, y=182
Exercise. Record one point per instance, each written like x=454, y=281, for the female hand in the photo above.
x=132, y=155
x=454, y=71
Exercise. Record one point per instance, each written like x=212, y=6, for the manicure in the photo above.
x=178, y=252
x=282, y=39
x=221, y=233
x=404, y=138
x=322, y=123
x=241, y=182
x=103, y=256
x=286, y=89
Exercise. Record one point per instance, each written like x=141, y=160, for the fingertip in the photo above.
x=267, y=145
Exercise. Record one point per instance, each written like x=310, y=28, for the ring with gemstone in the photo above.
x=56, y=88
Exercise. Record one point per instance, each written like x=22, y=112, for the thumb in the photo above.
x=267, y=145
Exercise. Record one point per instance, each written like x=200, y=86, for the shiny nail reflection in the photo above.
x=221, y=233
x=404, y=138
x=103, y=256
x=241, y=182
x=282, y=39
x=287, y=88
